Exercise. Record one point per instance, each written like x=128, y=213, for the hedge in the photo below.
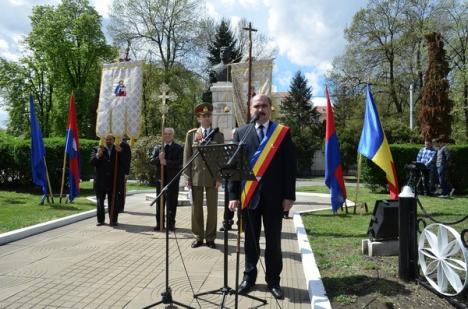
x=15, y=160
x=404, y=154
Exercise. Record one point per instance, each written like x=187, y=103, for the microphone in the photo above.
x=255, y=117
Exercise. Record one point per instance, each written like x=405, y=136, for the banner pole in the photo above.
x=357, y=181
x=63, y=174
x=48, y=181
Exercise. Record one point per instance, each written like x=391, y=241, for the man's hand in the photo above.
x=100, y=152
x=162, y=158
x=287, y=204
x=233, y=205
x=218, y=183
x=189, y=184
x=118, y=148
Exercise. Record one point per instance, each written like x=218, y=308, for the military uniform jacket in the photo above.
x=197, y=172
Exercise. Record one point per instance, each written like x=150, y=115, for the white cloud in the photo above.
x=211, y=11
x=313, y=79
x=310, y=33
x=102, y=7
x=283, y=78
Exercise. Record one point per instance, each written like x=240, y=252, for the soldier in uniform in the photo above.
x=199, y=179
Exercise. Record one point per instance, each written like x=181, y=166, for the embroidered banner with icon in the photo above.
x=119, y=107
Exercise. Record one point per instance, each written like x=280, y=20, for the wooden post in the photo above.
x=165, y=95
x=249, y=90
x=63, y=174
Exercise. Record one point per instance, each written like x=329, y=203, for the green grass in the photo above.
x=19, y=209
x=336, y=242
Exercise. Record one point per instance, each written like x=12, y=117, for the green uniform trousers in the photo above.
x=198, y=227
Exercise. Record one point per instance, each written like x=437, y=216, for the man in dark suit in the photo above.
x=274, y=193
x=170, y=157
x=126, y=159
x=103, y=158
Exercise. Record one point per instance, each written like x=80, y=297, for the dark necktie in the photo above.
x=205, y=133
x=261, y=135
x=166, y=148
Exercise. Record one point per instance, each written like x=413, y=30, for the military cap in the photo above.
x=203, y=109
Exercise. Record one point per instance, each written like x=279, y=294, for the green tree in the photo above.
x=435, y=113
x=69, y=40
x=169, y=27
x=223, y=37
x=303, y=120
x=65, y=50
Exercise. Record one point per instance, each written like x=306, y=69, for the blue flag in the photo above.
x=39, y=171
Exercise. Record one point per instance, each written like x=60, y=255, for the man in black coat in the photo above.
x=170, y=157
x=274, y=194
x=125, y=157
x=104, y=158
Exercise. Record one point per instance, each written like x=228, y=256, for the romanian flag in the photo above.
x=38, y=165
x=333, y=170
x=72, y=148
x=374, y=145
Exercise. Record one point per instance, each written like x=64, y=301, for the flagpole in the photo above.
x=63, y=174
x=48, y=181
x=114, y=183
x=357, y=183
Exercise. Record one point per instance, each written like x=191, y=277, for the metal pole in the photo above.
x=407, y=262
x=411, y=106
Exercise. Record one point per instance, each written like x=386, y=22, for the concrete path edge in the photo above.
x=317, y=294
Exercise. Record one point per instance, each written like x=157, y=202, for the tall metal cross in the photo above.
x=166, y=94
x=249, y=91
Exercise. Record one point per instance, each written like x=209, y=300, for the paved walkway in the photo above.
x=85, y=266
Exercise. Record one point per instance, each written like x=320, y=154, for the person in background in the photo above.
x=427, y=156
x=103, y=158
x=169, y=157
x=199, y=178
x=126, y=159
x=442, y=160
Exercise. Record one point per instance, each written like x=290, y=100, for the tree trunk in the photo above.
x=465, y=105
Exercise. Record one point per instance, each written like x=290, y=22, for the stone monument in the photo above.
x=222, y=94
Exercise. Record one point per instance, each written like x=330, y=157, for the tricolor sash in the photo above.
x=262, y=158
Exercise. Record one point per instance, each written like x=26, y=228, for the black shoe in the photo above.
x=171, y=228
x=197, y=243
x=114, y=224
x=211, y=244
x=276, y=291
x=157, y=228
x=99, y=223
x=229, y=228
x=245, y=287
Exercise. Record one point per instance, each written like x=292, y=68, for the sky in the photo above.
x=307, y=34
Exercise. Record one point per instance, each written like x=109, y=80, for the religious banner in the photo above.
x=261, y=84
x=119, y=107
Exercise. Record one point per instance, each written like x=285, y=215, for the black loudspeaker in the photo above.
x=384, y=222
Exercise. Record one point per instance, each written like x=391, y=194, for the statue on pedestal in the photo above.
x=221, y=72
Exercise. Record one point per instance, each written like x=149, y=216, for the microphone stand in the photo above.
x=226, y=290
x=167, y=294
